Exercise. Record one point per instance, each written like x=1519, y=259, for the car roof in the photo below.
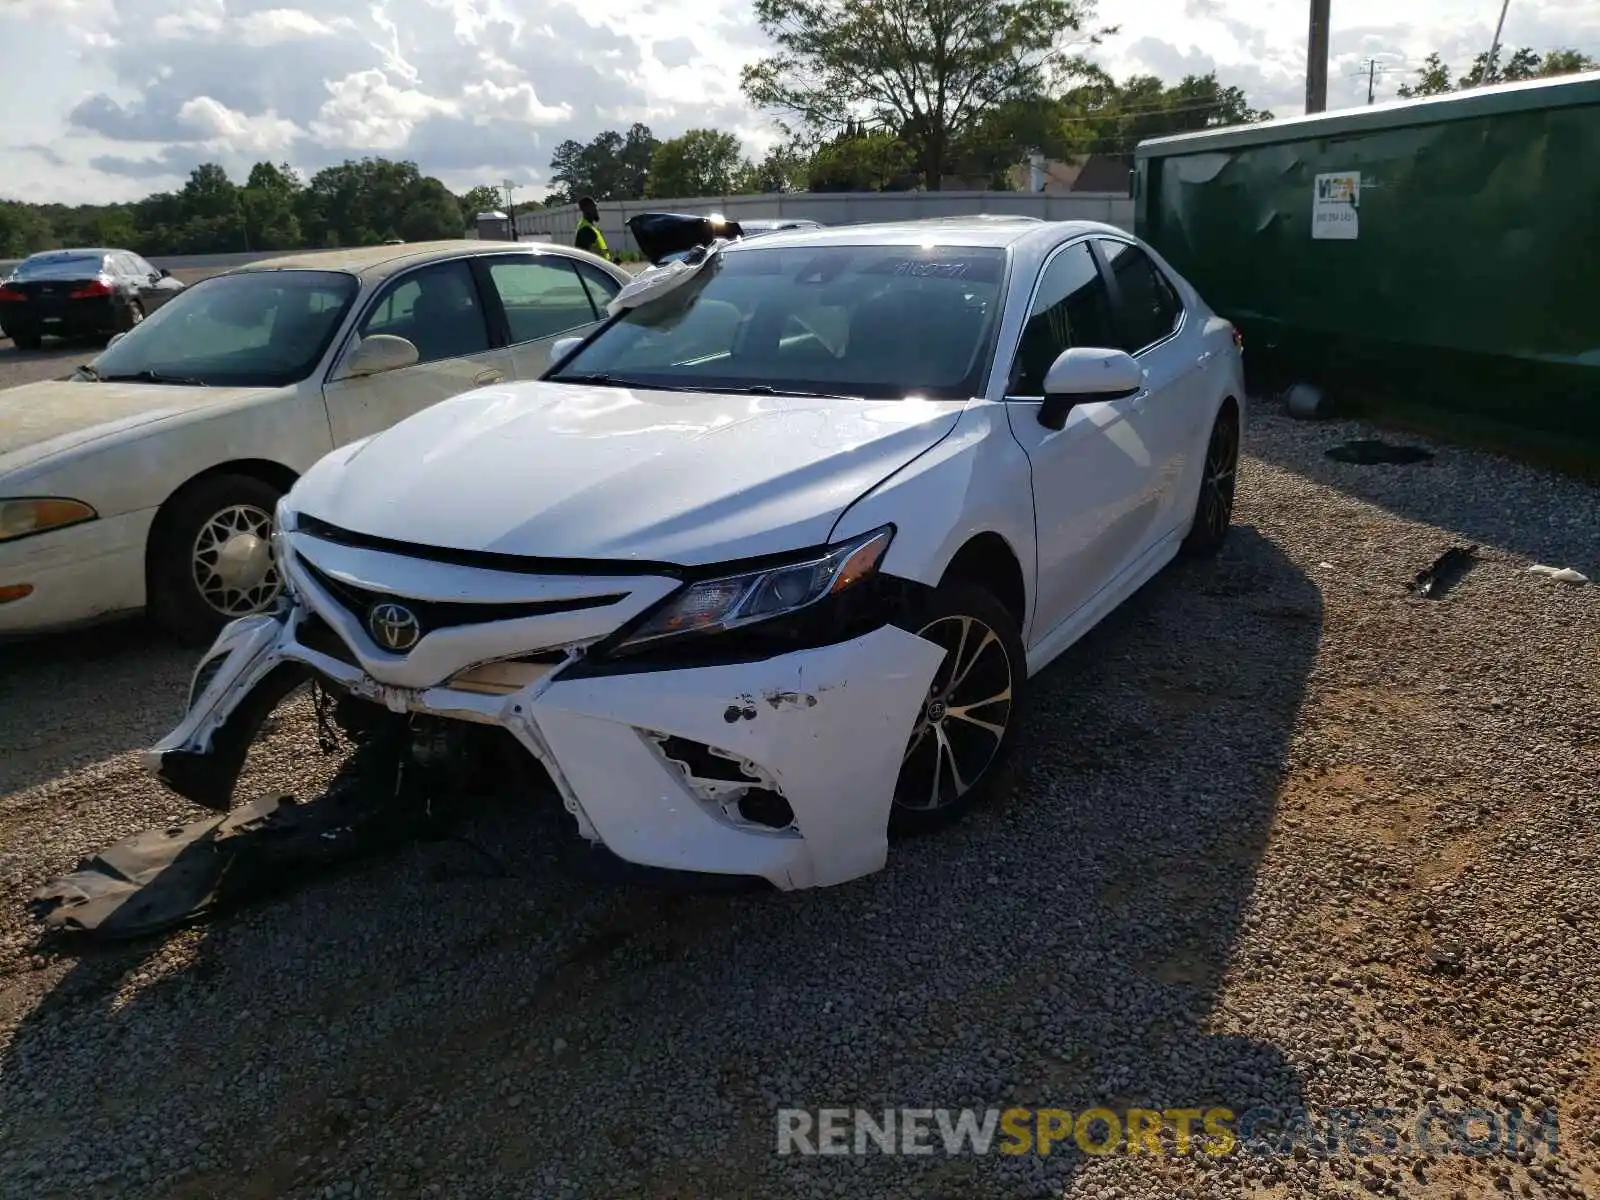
x=985, y=229
x=74, y=252
x=378, y=262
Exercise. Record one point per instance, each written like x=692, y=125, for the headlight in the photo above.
x=19, y=518
x=716, y=605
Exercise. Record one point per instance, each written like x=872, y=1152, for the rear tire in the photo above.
x=968, y=721
x=1213, y=507
x=27, y=341
x=205, y=564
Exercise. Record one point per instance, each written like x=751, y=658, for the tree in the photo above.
x=1105, y=117
x=267, y=201
x=702, y=162
x=1434, y=78
x=23, y=230
x=861, y=161
x=929, y=69
x=482, y=198
x=635, y=161
x=430, y=212
x=356, y=203
x=784, y=169
x=613, y=166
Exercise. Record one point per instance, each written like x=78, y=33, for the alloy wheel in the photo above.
x=232, y=562
x=963, y=719
x=1221, y=471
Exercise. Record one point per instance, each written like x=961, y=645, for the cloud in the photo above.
x=129, y=95
x=674, y=52
x=218, y=127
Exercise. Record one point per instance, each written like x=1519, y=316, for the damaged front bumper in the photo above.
x=782, y=769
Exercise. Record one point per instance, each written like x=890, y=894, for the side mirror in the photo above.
x=379, y=353
x=561, y=348
x=1086, y=373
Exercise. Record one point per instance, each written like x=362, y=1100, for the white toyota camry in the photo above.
x=757, y=572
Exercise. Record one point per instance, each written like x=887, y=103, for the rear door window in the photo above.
x=1149, y=307
x=602, y=288
x=542, y=296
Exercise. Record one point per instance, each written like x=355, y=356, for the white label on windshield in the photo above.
x=937, y=270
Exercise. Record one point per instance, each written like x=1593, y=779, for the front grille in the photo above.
x=446, y=614
x=316, y=634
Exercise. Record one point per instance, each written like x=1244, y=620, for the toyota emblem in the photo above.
x=394, y=627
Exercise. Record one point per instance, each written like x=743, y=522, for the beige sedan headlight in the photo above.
x=19, y=518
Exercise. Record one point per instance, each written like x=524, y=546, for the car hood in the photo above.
x=39, y=420
x=659, y=234
x=550, y=470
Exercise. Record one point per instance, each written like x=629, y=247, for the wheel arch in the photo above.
x=274, y=474
x=988, y=560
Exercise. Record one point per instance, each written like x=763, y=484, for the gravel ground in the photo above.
x=1277, y=833
x=57, y=358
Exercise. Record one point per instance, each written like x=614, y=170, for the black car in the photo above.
x=80, y=293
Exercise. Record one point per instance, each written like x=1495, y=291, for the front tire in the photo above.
x=1213, y=507
x=969, y=718
x=210, y=559
x=27, y=341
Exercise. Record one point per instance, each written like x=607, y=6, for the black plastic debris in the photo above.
x=1370, y=451
x=163, y=878
x=1435, y=580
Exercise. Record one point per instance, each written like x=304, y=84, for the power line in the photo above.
x=1372, y=68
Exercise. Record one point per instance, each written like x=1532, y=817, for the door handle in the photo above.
x=487, y=375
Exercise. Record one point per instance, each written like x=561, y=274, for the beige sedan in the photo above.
x=149, y=479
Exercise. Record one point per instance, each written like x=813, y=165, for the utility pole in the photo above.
x=511, y=212
x=1494, y=46
x=1372, y=68
x=1317, y=58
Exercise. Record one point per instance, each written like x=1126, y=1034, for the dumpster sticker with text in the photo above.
x=1336, y=206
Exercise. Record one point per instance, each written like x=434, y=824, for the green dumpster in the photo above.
x=1437, y=257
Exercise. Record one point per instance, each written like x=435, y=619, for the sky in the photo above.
x=114, y=99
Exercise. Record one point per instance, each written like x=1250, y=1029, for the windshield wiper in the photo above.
x=766, y=389
x=88, y=372
x=594, y=379
x=600, y=379
x=149, y=376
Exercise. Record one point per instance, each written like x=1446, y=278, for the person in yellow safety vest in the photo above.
x=589, y=236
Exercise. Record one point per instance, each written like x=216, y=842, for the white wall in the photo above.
x=833, y=208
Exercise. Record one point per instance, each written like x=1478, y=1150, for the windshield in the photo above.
x=253, y=329
x=59, y=266
x=871, y=321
